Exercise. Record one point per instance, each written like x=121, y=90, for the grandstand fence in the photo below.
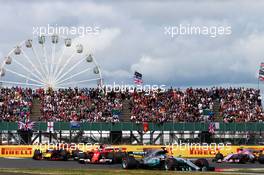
x=133, y=133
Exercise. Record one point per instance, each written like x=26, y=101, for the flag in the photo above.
x=261, y=72
x=21, y=125
x=75, y=124
x=217, y=125
x=138, y=78
x=28, y=125
x=145, y=127
x=211, y=128
x=50, y=126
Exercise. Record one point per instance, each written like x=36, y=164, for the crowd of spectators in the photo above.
x=197, y=105
x=94, y=105
x=172, y=105
x=15, y=104
x=241, y=105
x=91, y=105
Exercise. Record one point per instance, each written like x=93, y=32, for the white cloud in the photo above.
x=94, y=43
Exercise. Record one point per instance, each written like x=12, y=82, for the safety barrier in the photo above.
x=194, y=151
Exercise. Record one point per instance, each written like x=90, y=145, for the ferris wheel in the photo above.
x=50, y=61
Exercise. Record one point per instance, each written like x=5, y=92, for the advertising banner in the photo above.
x=25, y=151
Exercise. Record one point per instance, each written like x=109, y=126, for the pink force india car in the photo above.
x=242, y=156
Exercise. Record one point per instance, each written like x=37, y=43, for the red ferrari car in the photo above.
x=102, y=154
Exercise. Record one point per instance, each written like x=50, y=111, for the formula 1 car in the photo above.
x=101, y=155
x=158, y=159
x=242, y=156
x=51, y=154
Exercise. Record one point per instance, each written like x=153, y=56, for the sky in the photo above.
x=132, y=38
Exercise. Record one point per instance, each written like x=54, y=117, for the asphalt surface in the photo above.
x=30, y=163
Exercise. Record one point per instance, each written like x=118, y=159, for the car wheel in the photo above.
x=243, y=159
x=261, y=159
x=119, y=156
x=111, y=156
x=89, y=155
x=203, y=164
x=218, y=156
x=129, y=163
x=81, y=161
x=170, y=164
x=37, y=155
x=63, y=155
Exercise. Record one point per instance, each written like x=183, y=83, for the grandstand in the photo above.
x=122, y=116
x=93, y=105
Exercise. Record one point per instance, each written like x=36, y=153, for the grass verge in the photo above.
x=55, y=171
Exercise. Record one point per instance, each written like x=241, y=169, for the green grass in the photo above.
x=53, y=171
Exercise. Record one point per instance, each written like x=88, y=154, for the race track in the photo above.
x=30, y=163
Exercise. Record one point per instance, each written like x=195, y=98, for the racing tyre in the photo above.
x=89, y=155
x=75, y=155
x=170, y=164
x=82, y=155
x=37, y=155
x=64, y=155
x=261, y=159
x=242, y=159
x=218, y=156
x=202, y=163
x=81, y=161
x=119, y=156
x=111, y=156
x=79, y=155
x=129, y=163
